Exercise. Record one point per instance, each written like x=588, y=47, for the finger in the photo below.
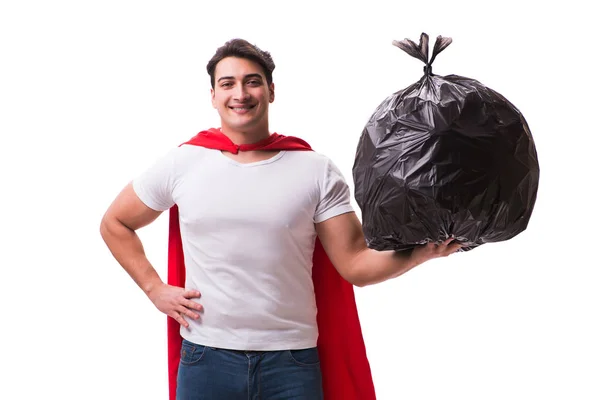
x=179, y=318
x=454, y=247
x=192, y=305
x=448, y=241
x=186, y=312
x=190, y=294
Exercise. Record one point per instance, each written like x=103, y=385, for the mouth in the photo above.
x=241, y=109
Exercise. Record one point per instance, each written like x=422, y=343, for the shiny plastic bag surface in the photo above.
x=447, y=156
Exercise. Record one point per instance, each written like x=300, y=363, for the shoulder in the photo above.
x=190, y=150
x=184, y=155
x=178, y=160
x=312, y=158
x=313, y=163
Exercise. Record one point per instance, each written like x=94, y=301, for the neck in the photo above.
x=246, y=136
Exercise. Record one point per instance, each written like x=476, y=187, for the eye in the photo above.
x=254, y=82
x=226, y=84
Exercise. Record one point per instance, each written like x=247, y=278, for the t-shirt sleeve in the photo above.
x=154, y=186
x=335, y=194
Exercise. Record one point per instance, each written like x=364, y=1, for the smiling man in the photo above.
x=250, y=207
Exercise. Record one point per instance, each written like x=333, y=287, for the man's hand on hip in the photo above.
x=176, y=302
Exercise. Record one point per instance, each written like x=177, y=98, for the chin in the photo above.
x=242, y=128
x=244, y=125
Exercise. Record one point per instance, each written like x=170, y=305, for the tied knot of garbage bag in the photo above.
x=427, y=70
x=421, y=50
x=446, y=156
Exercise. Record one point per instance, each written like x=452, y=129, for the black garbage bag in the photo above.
x=445, y=157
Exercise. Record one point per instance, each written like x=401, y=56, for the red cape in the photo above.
x=344, y=364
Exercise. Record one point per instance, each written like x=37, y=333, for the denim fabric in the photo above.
x=208, y=373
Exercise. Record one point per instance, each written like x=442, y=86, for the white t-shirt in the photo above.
x=248, y=238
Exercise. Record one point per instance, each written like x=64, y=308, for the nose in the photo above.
x=241, y=94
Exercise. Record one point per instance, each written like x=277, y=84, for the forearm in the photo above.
x=126, y=246
x=371, y=266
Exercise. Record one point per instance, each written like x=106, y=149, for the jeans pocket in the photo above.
x=191, y=353
x=305, y=357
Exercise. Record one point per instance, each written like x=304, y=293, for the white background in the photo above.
x=91, y=93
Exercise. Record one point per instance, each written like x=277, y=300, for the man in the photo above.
x=248, y=223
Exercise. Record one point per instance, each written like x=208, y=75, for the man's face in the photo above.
x=241, y=94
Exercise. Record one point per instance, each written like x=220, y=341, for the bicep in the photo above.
x=343, y=240
x=129, y=210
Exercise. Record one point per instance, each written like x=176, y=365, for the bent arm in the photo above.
x=344, y=242
x=125, y=215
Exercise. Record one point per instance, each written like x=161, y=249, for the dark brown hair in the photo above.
x=242, y=49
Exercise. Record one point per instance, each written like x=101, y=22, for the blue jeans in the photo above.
x=208, y=373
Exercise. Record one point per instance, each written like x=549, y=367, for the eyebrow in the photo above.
x=245, y=77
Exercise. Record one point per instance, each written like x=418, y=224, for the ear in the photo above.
x=271, y=92
x=212, y=97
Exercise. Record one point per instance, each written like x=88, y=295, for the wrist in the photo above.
x=415, y=258
x=150, y=287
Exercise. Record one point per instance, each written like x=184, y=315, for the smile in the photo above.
x=242, y=109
